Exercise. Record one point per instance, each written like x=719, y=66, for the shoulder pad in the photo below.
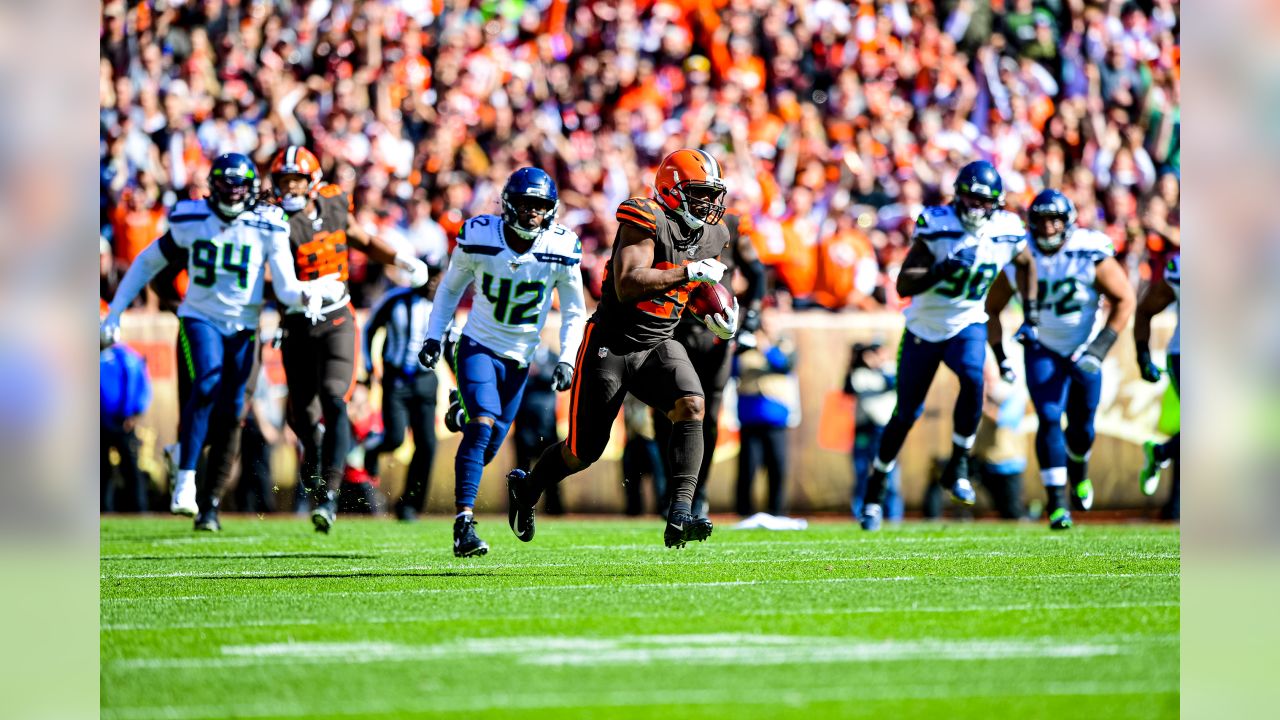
x=563, y=247
x=1092, y=241
x=480, y=235
x=329, y=190
x=1006, y=227
x=190, y=211
x=641, y=212
x=938, y=221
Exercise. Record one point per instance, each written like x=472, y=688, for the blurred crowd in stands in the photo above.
x=835, y=121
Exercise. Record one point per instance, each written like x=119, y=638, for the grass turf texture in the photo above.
x=597, y=619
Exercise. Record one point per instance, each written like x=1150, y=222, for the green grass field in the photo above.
x=597, y=619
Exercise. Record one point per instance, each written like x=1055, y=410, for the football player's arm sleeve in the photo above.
x=284, y=280
x=917, y=274
x=573, y=313
x=377, y=319
x=147, y=265
x=376, y=248
x=449, y=294
x=997, y=299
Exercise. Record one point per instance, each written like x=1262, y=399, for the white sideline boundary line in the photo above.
x=788, y=697
x=1023, y=607
x=627, y=587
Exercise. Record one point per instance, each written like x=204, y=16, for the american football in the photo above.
x=709, y=299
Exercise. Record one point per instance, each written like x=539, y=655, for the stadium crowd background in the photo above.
x=835, y=121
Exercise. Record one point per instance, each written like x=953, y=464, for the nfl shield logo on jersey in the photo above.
x=603, y=352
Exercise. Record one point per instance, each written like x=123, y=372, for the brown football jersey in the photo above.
x=320, y=244
x=645, y=323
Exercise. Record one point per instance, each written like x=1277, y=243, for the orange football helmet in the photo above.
x=690, y=183
x=295, y=160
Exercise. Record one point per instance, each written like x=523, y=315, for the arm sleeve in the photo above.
x=147, y=265
x=449, y=293
x=377, y=319
x=573, y=312
x=284, y=280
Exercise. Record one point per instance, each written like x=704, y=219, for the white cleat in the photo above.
x=184, y=498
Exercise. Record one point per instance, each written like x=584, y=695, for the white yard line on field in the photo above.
x=550, y=617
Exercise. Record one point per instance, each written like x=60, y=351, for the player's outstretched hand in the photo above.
x=109, y=330
x=724, y=325
x=418, y=271
x=429, y=355
x=562, y=377
x=708, y=271
x=329, y=288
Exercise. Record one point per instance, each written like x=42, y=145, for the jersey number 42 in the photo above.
x=518, y=308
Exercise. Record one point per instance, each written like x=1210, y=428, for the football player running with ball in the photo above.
x=226, y=241
x=958, y=252
x=320, y=341
x=1075, y=268
x=664, y=247
x=514, y=261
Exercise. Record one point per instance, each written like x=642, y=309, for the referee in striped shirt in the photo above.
x=408, y=388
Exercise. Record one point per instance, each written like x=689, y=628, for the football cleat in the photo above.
x=453, y=418
x=1082, y=495
x=404, y=513
x=955, y=477
x=1150, y=477
x=1060, y=519
x=324, y=516
x=872, y=516
x=183, y=501
x=207, y=521
x=465, y=541
x=520, y=512
x=683, y=527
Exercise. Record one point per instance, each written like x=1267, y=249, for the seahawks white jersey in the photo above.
x=959, y=300
x=513, y=291
x=225, y=260
x=1068, y=295
x=1173, y=276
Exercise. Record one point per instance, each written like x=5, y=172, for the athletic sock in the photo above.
x=686, y=458
x=1077, y=470
x=1055, y=487
x=468, y=465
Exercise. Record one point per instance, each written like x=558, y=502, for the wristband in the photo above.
x=1101, y=345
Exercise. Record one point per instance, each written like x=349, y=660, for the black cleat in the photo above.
x=405, y=513
x=465, y=541
x=955, y=478
x=207, y=521
x=683, y=527
x=520, y=512
x=453, y=419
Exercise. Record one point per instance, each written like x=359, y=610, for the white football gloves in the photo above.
x=417, y=270
x=707, y=271
x=724, y=325
x=320, y=292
